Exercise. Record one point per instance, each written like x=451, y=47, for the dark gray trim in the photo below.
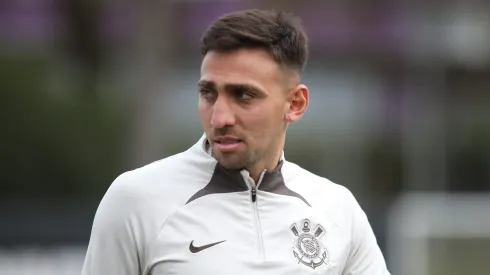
x=230, y=181
x=222, y=181
x=273, y=182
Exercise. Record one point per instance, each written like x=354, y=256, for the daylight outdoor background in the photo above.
x=399, y=114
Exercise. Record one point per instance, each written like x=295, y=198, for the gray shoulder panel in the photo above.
x=273, y=182
x=222, y=181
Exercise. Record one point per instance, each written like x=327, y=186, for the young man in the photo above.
x=232, y=204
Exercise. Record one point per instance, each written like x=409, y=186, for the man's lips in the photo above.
x=226, y=139
x=227, y=143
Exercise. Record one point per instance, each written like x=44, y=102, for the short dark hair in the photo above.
x=280, y=33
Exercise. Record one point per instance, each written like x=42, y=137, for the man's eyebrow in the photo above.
x=242, y=86
x=230, y=86
x=206, y=84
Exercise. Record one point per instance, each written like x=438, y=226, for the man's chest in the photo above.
x=266, y=237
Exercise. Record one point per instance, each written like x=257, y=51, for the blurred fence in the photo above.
x=42, y=260
x=439, y=233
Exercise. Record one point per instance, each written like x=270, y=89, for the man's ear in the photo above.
x=298, y=100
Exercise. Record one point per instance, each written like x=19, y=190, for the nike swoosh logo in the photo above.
x=196, y=249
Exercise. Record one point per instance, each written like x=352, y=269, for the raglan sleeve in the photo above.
x=113, y=244
x=365, y=257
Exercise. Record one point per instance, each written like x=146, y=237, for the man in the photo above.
x=232, y=204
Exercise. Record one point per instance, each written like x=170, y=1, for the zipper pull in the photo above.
x=254, y=194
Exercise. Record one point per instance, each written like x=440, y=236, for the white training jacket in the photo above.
x=186, y=214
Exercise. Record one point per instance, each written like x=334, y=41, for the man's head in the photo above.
x=250, y=86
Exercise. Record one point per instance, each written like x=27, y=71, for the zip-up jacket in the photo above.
x=186, y=214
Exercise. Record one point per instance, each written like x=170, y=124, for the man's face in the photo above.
x=242, y=105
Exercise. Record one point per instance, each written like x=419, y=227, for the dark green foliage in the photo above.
x=53, y=143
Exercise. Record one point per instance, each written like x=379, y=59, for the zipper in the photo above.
x=258, y=228
x=255, y=210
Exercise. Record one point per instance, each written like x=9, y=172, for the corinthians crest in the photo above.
x=307, y=248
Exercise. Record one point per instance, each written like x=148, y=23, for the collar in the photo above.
x=227, y=181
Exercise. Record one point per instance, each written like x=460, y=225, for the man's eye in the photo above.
x=206, y=93
x=244, y=95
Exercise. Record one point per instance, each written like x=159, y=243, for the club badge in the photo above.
x=307, y=248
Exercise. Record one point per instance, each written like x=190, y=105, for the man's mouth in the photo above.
x=227, y=144
x=228, y=141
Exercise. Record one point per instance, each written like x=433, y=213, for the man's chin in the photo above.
x=230, y=162
x=232, y=167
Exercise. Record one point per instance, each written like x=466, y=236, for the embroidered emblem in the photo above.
x=307, y=248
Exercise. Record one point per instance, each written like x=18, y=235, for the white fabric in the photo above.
x=144, y=226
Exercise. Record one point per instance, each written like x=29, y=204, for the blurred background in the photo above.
x=399, y=114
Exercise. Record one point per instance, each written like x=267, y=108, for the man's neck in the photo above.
x=256, y=171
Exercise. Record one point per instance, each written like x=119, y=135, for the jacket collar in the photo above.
x=226, y=181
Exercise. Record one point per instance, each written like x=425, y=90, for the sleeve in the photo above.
x=365, y=257
x=113, y=244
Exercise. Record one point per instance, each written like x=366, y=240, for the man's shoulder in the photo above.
x=167, y=166
x=304, y=179
x=320, y=191
x=170, y=179
x=141, y=200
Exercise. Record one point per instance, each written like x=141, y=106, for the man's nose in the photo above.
x=222, y=113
